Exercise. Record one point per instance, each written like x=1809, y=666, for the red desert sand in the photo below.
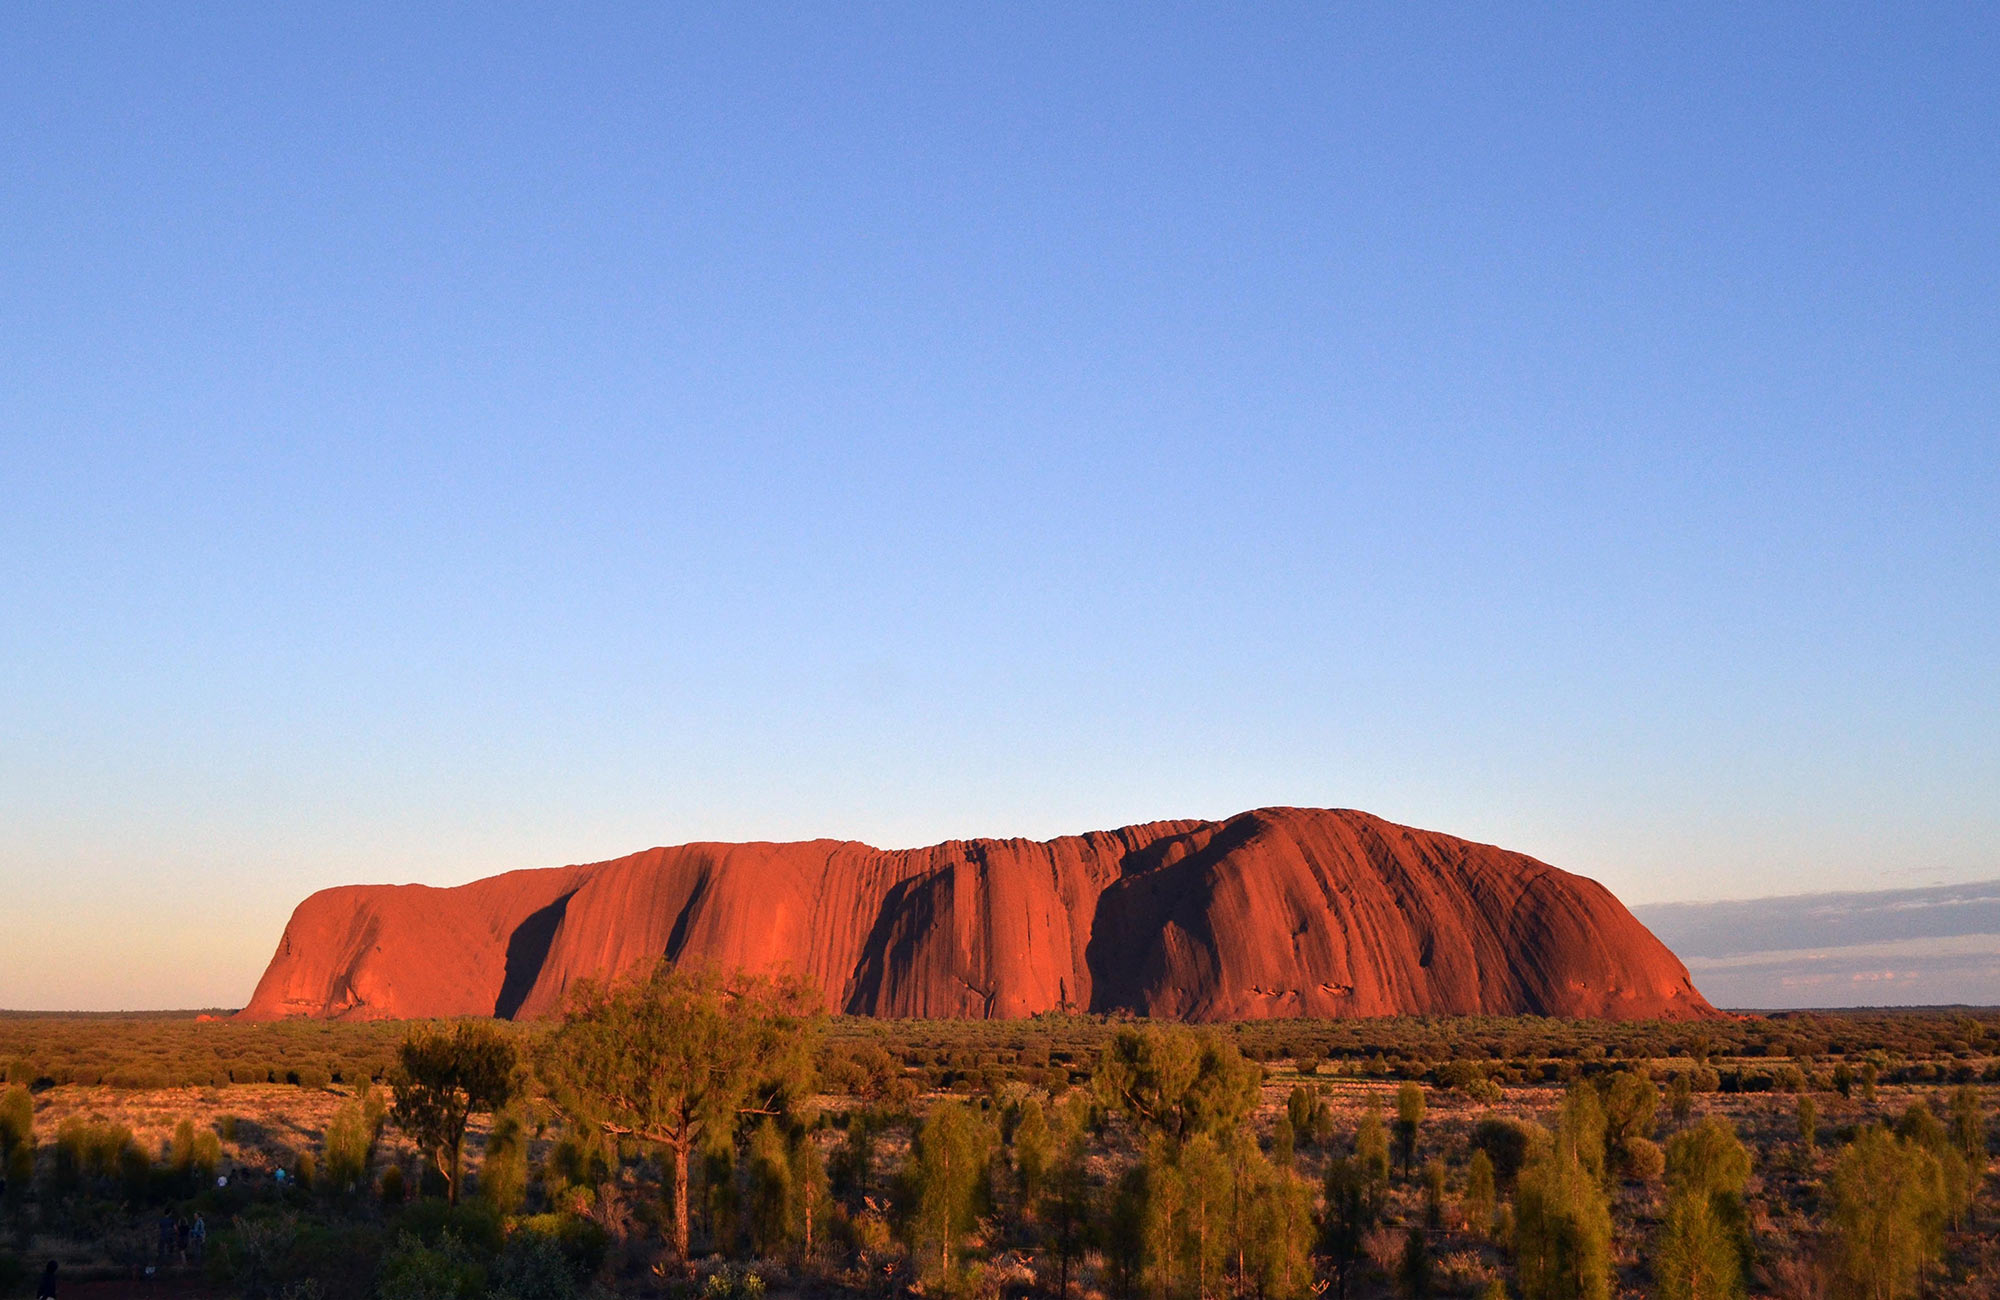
x=1276, y=912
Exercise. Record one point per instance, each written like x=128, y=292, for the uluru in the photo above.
x=1273, y=912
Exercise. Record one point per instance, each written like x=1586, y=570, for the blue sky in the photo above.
x=439, y=443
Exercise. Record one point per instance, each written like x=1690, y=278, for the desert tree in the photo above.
x=853, y=1168
x=1477, y=1204
x=1507, y=1143
x=1032, y=1151
x=720, y=1194
x=1284, y=1143
x=1281, y=1236
x=677, y=1059
x=1631, y=1106
x=1310, y=1116
x=1434, y=1177
x=194, y=1154
x=1371, y=1143
x=180, y=1149
x=1207, y=1198
x=1409, y=1121
x=17, y=1139
x=503, y=1165
x=1249, y=1174
x=1413, y=1265
x=1709, y=1158
x=1562, y=1229
x=1127, y=1230
x=1885, y=1219
x=1066, y=1207
x=773, y=1207
x=85, y=1151
x=348, y=1145
x=1955, y=1176
x=1680, y=1097
x=1968, y=1124
x=1920, y=1125
x=1709, y=1163
x=947, y=1178
x=812, y=1199
x=1354, y=1203
x=1176, y=1081
x=1167, y=1223
x=1580, y=1127
x=445, y=1076
x=1694, y=1255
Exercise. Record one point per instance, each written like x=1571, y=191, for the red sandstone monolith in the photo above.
x=1276, y=912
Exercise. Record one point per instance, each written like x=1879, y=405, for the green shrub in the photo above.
x=534, y=1266
x=503, y=1169
x=475, y=1227
x=412, y=1270
x=1507, y=1143
x=17, y=1140
x=584, y=1242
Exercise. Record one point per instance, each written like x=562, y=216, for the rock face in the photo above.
x=1276, y=912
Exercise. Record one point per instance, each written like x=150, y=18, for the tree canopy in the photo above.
x=675, y=1057
x=442, y=1078
x=1178, y=1082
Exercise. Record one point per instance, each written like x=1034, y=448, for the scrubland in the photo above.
x=1798, y=1155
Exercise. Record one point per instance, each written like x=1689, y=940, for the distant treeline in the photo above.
x=1750, y=1055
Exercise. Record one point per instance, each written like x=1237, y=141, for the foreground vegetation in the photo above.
x=683, y=1137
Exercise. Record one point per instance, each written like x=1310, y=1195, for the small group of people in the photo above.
x=181, y=1239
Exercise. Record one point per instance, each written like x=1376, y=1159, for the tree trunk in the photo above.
x=681, y=1199
x=809, y=1215
x=1201, y=1246
x=450, y=1171
x=1236, y=1221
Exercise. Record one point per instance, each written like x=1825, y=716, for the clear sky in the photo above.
x=438, y=443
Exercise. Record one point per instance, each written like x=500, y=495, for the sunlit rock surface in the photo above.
x=1276, y=912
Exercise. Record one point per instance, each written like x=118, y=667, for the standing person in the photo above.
x=198, y=1238
x=181, y=1237
x=47, y=1290
x=166, y=1234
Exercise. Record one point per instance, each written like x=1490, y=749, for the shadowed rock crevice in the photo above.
x=1157, y=895
x=677, y=939
x=527, y=949
x=891, y=945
